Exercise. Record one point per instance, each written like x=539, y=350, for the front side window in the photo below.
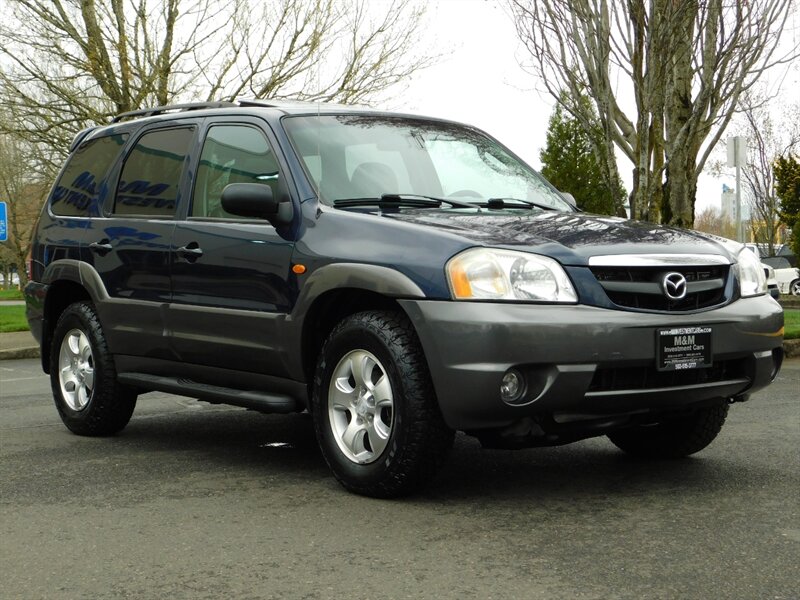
x=77, y=192
x=150, y=180
x=231, y=154
x=366, y=156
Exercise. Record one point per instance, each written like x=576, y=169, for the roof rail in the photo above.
x=270, y=103
x=289, y=103
x=160, y=110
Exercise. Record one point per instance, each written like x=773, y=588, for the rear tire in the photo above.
x=83, y=376
x=794, y=287
x=673, y=438
x=375, y=411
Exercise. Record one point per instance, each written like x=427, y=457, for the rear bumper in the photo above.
x=585, y=360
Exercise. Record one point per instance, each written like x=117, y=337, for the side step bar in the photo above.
x=255, y=400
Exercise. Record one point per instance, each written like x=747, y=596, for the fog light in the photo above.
x=512, y=387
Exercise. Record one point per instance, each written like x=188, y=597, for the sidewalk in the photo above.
x=18, y=344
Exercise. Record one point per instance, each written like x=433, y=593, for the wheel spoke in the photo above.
x=384, y=418
x=378, y=436
x=353, y=437
x=82, y=397
x=88, y=377
x=357, y=367
x=382, y=390
x=84, y=349
x=342, y=394
x=73, y=343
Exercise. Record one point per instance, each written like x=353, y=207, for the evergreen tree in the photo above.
x=787, y=188
x=573, y=162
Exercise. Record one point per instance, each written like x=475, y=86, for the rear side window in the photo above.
x=150, y=180
x=77, y=192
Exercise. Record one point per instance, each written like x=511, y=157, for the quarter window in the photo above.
x=78, y=189
x=231, y=154
x=150, y=180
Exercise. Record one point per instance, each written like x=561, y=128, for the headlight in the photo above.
x=494, y=274
x=750, y=272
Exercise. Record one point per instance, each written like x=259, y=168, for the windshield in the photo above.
x=356, y=156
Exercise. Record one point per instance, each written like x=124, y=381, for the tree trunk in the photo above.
x=681, y=189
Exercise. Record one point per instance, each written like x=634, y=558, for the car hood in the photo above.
x=569, y=237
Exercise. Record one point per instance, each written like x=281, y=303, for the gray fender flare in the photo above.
x=79, y=272
x=371, y=278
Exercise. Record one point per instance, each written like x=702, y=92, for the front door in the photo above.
x=230, y=275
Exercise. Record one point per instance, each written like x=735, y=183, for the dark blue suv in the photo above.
x=399, y=277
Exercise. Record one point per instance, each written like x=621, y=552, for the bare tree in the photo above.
x=69, y=64
x=766, y=142
x=24, y=193
x=684, y=63
x=710, y=220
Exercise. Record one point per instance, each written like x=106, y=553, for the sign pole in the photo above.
x=737, y=155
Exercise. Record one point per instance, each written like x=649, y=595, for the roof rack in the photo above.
x=160, y=110
x=288, y=103
x=269, y=103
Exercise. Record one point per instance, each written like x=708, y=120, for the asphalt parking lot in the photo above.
x=201, y=501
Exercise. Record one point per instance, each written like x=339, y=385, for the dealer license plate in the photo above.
x=683, y=348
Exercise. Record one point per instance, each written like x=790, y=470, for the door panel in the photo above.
x=130, y=249
x=230, y=275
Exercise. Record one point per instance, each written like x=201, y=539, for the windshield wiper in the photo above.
x=398, y=200
x=504, y=203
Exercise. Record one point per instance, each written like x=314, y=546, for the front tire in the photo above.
x=673, y=438
x=375, y=411
x=794, y=287
x=83, y=376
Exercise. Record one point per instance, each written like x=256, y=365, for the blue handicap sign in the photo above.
x=3, y=222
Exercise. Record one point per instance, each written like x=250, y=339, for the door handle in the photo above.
x=190, y=252
x=101, y=247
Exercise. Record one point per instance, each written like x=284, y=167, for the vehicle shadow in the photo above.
x=252, y=447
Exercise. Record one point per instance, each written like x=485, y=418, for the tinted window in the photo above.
x=77, y=191
x=231, y=154
x=151, y=177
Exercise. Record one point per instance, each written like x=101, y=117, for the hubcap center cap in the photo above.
x=362, y=406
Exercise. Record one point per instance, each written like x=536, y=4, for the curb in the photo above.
x=791, y=348
x=17, y=353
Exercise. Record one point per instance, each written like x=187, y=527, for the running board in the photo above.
x=255, y=400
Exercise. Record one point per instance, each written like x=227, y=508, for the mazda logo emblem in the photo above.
x=674, y=286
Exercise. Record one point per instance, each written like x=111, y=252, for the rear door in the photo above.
x=130, y=246
x=230, y=275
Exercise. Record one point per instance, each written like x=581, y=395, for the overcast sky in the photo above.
x=479, y=81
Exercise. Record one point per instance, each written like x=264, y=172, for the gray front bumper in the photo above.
x=470, y=345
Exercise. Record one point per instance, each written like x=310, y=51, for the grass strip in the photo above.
x=791, y=318
x=12, y=318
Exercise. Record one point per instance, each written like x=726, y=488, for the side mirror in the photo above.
x=256, y=200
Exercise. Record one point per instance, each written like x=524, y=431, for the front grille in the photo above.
x=644, y=378
x=640, y=287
